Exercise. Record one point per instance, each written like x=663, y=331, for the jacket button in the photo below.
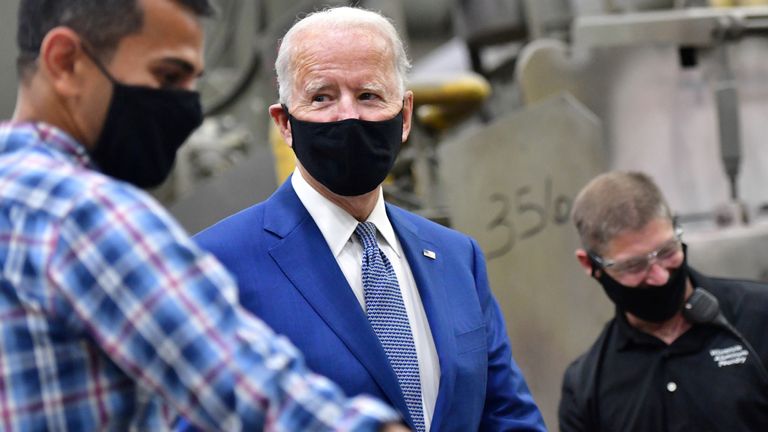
x=671, y=386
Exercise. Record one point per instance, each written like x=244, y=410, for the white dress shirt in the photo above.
x=338, y=227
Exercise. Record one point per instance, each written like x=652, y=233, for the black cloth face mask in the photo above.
x=144, y=128
x=350, y=157
x=647, y=302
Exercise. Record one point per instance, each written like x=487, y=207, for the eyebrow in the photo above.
x=183, y=64
x=317, y=86
x=375, y=87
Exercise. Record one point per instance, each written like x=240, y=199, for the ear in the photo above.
x=407, y=114
x=280, y=118
x=584, y=261
x=62, y=59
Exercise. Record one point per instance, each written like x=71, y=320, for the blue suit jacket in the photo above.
x=289, y=278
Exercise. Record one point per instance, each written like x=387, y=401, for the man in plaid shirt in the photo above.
x=110, y=317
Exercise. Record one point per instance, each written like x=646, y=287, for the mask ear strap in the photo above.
x=594, y=263
x=99, y=65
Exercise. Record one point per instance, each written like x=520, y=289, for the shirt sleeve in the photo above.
x=509, y=404
x=167, y=314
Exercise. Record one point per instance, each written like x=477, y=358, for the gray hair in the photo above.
x=336, y=18
x=615, y=202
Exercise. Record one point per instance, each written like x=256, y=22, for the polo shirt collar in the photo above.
x=628, y=337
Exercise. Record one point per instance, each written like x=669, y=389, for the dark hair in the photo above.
x=101, y=23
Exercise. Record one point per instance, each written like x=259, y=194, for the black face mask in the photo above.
x=144, y=128
x=647, y=302
x=350, y=157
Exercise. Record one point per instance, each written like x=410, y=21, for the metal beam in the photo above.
x=696, y=27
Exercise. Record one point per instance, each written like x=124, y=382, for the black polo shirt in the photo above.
x=706, y=380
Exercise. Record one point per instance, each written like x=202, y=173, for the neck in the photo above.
x=25, y=110
x=668, y=331
x=40, y=105
x=359, y=207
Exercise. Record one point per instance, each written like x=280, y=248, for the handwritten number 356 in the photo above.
x=526, y=212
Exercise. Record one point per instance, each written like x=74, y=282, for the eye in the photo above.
x=368, y=96
x=320, y=98
x=171, y=77
x=632, y=265
x=668, y=251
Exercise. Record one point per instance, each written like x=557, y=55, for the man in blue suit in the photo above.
x=434, y=344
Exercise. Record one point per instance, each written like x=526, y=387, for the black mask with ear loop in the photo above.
x=653, y=303
x=143, y=130
x=350, y=157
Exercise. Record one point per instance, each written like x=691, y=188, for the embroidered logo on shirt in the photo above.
x=729, y=356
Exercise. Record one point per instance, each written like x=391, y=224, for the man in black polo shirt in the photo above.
x=657, y=366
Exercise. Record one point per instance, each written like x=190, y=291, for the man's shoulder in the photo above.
x=731, y=290
x=40, y=182
x=758, y=289
x=739, y=296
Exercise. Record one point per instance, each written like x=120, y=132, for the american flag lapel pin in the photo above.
x=429, y=254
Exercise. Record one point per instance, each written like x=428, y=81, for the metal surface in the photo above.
x=510, y=185
x=548, y=18
x=736, y=252
x=661, y=118
x=727, y=104
x=700, y=27
x=487, y=22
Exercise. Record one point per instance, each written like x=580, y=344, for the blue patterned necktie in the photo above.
x=386, y=312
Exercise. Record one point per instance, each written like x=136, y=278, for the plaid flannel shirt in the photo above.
x=112, y=319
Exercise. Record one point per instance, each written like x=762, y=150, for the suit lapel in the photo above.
x=306, y=260
x=424, y=258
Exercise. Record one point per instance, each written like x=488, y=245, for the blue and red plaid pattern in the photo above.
x=386, y=313
x=111, y=318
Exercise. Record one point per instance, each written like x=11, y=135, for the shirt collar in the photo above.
x=379, y=218
x=336, y=225
x=628, y=337
x=48, y=135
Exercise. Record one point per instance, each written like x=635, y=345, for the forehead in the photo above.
x=169, y=32
x=342, y=56
x=629, y=244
